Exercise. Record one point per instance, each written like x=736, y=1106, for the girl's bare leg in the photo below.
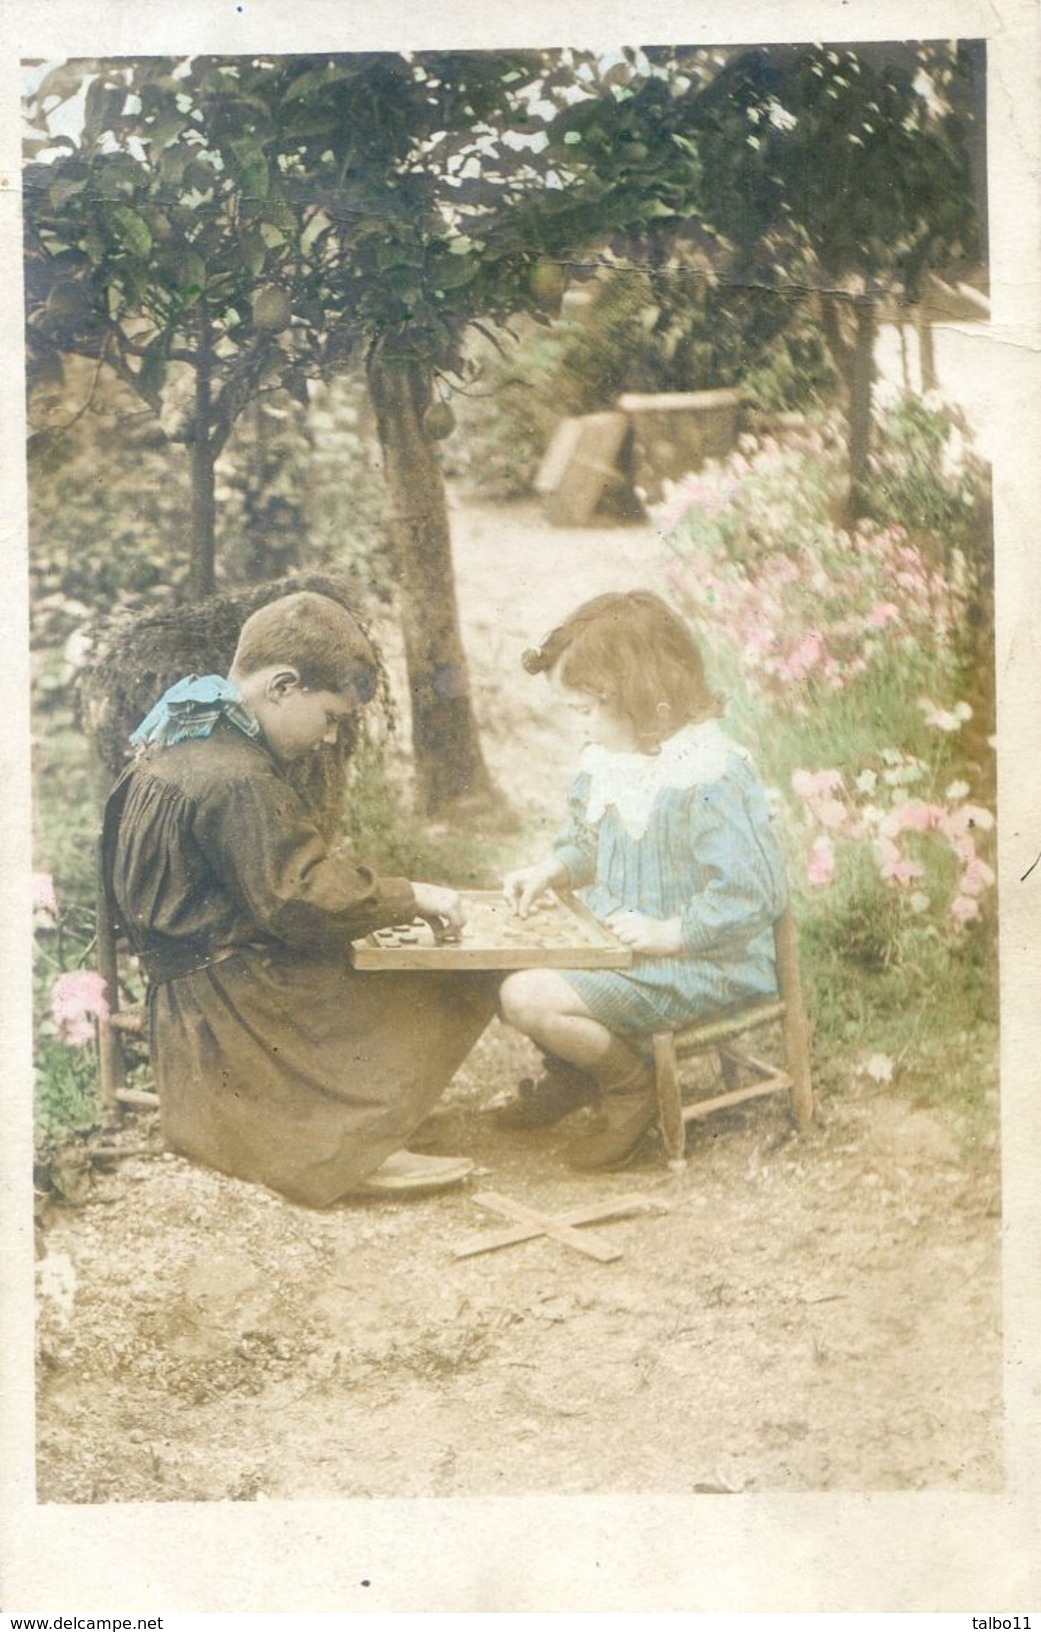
x=545, y=1007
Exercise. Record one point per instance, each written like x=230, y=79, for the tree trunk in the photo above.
x=201, y=572
x=926, y=352
x=862, y=379
x=446, y=748
x=855, y=363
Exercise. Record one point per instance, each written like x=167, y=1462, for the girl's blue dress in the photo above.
x=685, y=833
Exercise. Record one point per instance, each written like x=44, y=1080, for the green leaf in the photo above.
x=132, y=231
x=173, y=162
x=94, y=246
x=452, y=272
x=402, y=281
x=315, y=79
x=189, y=271
x=116, y=175
x=250, y=168
x=96, y=109
x=63, y=189
x=134, y=279
x=62, y=83
x=277, y=213
x=253, y=250
x=168, y=126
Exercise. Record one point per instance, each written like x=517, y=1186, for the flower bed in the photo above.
x=846, y=658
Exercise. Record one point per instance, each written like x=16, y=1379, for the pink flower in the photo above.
x=759, y=638
x=976, y=878
x=813, y=784
x=945, y=719
x=830, y=813
x=881, y=613
x=820, y=871
x=964, y=907
x=918, y=817
x=893, y=866
x=77, y=1000
x=964, y=849
x=45, y=902
x=805, y=657
x=903, y=872
x=959, y=827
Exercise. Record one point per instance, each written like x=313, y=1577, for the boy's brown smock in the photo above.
x=274, y=1060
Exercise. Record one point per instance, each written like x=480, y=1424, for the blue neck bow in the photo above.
x=192, y=708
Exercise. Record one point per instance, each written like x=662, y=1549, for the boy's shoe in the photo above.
x=405, y=1172
x=562, y=1088
x=439, y=1127
x=624, y=1120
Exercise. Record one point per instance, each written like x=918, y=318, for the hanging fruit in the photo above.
x=272, y=309
x=548, y=281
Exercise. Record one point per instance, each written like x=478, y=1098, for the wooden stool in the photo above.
x=720, y=1034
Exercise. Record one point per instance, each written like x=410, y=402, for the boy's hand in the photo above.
x=523, y=887
x=651, y=937
x=438, y=901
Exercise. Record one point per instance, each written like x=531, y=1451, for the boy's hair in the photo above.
x=314, y=635
x=635, y=653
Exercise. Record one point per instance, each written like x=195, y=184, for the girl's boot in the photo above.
x=628, y=1108
x=561, y=1089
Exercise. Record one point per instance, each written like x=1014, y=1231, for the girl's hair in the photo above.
x=314, y=635
x=632, y=651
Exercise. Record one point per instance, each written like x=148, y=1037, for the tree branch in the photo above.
x=62, y=430
x=239, y=388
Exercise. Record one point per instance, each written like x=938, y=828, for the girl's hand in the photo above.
x=523, y=887
x=651, y=937
x=438, y=901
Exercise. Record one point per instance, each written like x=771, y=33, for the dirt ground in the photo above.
x=790, y=1313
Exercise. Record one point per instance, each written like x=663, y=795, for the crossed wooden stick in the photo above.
x=531, y=1224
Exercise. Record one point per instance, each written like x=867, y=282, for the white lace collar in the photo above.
x=695, y=756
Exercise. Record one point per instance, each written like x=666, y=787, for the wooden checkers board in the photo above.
x=559, y=933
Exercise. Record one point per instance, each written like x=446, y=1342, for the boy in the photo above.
x=276, y=1061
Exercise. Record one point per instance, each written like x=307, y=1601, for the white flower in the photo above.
x=879, y=1067
x=866, y=782
x=957, y=791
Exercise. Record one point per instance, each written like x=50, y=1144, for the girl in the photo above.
x=669, y=842
x=274, y=1059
